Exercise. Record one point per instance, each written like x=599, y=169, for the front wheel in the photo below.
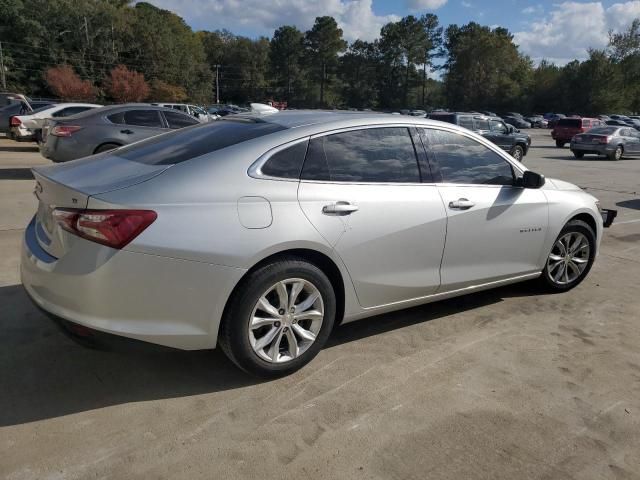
x=279, y=318
x=517, y=153
x=559, y=143
x=571, y=257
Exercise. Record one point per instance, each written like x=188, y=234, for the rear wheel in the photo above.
x=517, y=153
x=571, y=257
x=616, y=154
x=559, y=143
x=105, y=147
x=279, y=318
x=577, y=154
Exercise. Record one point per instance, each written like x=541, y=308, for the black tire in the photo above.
x=616, y=154
x=233, y=337
x=571, y=227
x=560, y=143
x=105, y=147
x=518, y=153
x=577, y=154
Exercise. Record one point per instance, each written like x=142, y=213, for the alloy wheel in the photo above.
x=568, y=259
x=286, y=320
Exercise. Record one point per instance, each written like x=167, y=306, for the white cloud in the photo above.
x=533, y=10
x=356, y=17
x=418, y=5
x=465, y=4
x=571, y=28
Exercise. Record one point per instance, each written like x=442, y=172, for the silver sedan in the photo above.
x=260, y=232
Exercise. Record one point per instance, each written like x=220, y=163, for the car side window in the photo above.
x=143, y=118
x=286, y=163
x=480, y=124
x=368, y=155
x=67, y=112
x=463, y=160
x=178, y=120
x=466, y=122
x=498, y=126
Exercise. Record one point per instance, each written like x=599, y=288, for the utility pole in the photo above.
x=217, y=84
x=86, y=29
x=2, y=77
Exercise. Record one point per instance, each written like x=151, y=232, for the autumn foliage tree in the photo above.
x=166, y=92
x=124, y=85
x=65, y=83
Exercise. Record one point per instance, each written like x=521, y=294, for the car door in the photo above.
x=363, y=192
x=495, y=230
x=499, y=134
x=631, y=141
x=140, y=124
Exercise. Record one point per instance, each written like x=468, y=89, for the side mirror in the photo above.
x=531, y=179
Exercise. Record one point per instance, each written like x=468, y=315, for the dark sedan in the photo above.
x=611, y=141
x=103, y=129
x=517, y=122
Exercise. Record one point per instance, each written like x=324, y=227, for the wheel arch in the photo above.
x=588, y=219
x=106, y=143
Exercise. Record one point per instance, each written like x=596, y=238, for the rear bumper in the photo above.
x=597, y=149
x=156, y=299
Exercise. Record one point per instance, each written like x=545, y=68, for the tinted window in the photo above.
x=443, y=117
x=185, y=144
x=603, y=130
x=466, y=122
x=117, y=118
x=371, y=155
x=480, y=124
x=143, y=118
x=463, y=160
x=177, y=120
x=286, y=163
x=570, y=122
x=65, y=112
x=498, y=126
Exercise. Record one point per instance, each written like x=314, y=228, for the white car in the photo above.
x=26, y=127
x=193, y=110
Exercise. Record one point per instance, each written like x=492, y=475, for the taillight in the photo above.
x=64, y=130
x=604, y=139
x=113, y=228
x=15, y=122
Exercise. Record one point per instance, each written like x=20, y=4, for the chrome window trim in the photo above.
x=255, y=170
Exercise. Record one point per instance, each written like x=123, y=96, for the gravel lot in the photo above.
x=507, y=384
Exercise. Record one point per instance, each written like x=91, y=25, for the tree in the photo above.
x=124, y=85
x=65, y=83
x=285, y=53
x=357, y=68
x=432, y=46
x=323, y=43
x=165, y=92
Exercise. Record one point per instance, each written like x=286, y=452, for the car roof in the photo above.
x=109, y=109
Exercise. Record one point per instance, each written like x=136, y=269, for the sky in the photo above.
x=557, y=31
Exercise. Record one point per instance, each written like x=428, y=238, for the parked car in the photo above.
x=513, y=114
x=18, y=108
x=7, y=98
x=632, y=122
x=553, y=120
x=616, y=123
x=537, y=121
x=29, y=126
x=195, y=111
x=106, y=128
x=517, y=122
x=488, y=113
x=611, y=141
x=232, y=233
x=492, y=128
x=566, y=128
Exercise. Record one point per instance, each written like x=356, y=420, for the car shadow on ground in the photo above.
x=632, y=204
x=47, y=375
x=19, y=148
x=16, y=174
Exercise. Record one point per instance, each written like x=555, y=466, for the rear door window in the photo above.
x=369, y=155
x=480, y=124
x=143, y=118
x=178, y=120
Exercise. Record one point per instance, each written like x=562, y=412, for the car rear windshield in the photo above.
x=603, y=130
x=570, y=122
x=191, y=142
x=443, y=117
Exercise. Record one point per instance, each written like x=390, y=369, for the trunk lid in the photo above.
x=69, y=185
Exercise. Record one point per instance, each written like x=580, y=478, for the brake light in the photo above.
x=113, y=228
x=64, y=130
x=15, y=122
x=604, y=139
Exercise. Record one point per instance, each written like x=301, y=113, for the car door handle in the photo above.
x=339, y=208
x=127, y=131
x=461, y=204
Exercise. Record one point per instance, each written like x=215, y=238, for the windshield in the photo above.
x=603, y=130
x=191, y=142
